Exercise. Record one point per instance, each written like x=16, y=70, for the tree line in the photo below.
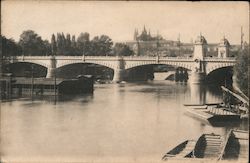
x=31, y=44
x=241, y=70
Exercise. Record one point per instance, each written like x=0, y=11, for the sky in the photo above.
x=118, y=20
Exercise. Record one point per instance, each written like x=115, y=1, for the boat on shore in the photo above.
x=208, y=146
x=182, y=150
x=236, y=146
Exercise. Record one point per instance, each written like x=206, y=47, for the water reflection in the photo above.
x=202, y=94
x=132, y=120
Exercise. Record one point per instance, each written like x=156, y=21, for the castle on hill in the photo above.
x=145, y=43
x=145, y=35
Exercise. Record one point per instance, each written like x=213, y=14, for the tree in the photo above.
x=101, y=45
x=94, y=46
x=9, y=47
x=63, y=44
x=68, y=41
x=83, y=43
x=31, y=43
x=48, y=48
x=106, y=44
x=73, y=42
x=241, y=70
x=53, y=44
x=68, y=48
x=59, y=44
x=122, y=50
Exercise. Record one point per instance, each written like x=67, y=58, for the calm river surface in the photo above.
x=132, y=121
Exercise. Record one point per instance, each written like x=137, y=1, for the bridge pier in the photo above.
x=51, y=70
x=197, y=77
x=118, y=75
x=119, y=71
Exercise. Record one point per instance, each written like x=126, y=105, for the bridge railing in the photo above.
x=30, y=57
x=155, y=57
x=216, y=59
x=228, y=59
x=97, y=57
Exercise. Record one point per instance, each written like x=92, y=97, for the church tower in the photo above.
x=223, y=48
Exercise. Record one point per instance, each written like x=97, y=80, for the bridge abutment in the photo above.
x=51, y=70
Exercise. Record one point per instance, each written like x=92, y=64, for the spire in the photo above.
x=144, y=30
x=241, y=37
x=158, y=43
x=135, y=34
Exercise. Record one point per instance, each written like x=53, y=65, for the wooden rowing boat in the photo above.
x=182, y=150
x=236, y=146
x=208, y=146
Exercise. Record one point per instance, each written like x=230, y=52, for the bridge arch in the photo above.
x=29, y=62
x=105, y=64
x=25, y=69
x=217, y=66
x=222, y=75
x=85, y=68
x=183, y=65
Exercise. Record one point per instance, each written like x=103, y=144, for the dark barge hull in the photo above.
x=43, y=86
x=224, y=118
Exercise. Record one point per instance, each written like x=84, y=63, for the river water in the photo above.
x=130, y=121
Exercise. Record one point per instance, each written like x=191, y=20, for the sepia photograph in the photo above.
x=124, y=81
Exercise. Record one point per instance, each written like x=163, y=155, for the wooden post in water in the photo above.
x=32, y=80
x=55, y=84
x=10, y=88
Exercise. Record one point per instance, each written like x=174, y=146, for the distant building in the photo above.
x=145, y=43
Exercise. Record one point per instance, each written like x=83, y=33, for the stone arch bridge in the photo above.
x=198, y=67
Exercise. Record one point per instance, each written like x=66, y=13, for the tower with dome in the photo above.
x=223, y=48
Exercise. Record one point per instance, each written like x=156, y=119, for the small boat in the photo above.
x=208, y=146
x=236, y=146
x=198, y=107
x=207, y=104
x=182, y=150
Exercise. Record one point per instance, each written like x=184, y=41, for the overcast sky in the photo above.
x=119, y=19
